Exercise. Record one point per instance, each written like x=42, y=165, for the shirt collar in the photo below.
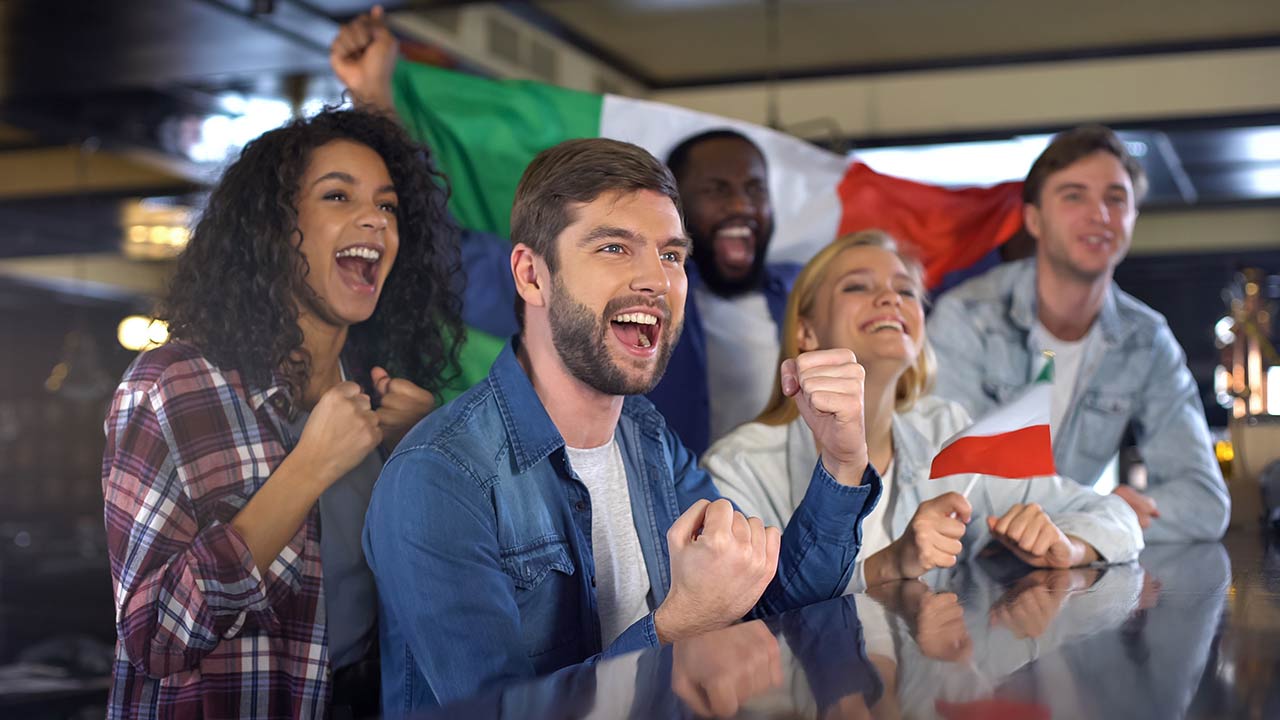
x=275, y=393
x=532, y=434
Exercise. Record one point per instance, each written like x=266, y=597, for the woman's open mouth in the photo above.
x=358, y=267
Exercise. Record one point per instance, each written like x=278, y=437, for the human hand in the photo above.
x=1142, y=505
x=827, y=386
x=936, y=621
x=341, y=430
x=721, y=563
x=401, y=404
x=1029, y=533
x=1029, y=607
x=715, y=673
x=363, y=56
x=931, y=540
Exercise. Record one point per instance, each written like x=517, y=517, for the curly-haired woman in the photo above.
x=312, y=316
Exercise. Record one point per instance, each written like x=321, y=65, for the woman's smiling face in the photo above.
x=347, y=215
x=870, y=303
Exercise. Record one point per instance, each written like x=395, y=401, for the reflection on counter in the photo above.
x=988, y=639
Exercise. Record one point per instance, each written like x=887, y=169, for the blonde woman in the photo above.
x=863, y=293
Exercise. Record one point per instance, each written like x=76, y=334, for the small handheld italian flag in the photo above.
x=1013, y=441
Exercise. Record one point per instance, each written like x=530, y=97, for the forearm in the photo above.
x=821, y=542
x=275, y=512
x=881, y=567
x=1082, y=553
x=376, y=100
x=1189, y=512
x=207, y=581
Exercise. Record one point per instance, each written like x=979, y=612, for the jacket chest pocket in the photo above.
x=529, y=565
x=547, y=593
x=1102, y=419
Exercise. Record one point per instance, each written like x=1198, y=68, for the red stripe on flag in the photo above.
x=1023, y=453
x=991, y=709
x=947, y=229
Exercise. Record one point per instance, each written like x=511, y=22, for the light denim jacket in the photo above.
x=1139, y=379
x=479, y=537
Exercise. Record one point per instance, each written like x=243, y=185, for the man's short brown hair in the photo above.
x=578, y=171
x=1071, y=145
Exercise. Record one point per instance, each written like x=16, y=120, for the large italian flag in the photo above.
x=483, y=133
x=1012, y=441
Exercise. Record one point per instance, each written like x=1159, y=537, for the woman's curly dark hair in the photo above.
x=237, y=287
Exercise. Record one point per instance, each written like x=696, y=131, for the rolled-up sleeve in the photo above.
x=179, y=588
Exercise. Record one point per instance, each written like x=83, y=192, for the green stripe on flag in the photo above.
x=475, y=357
x=1046, y=372
x=483, y=133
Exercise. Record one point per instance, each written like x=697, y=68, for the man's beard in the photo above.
x=704, y=256
x=582, y=340
x=1060, y=259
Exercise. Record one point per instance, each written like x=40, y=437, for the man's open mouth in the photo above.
x=735, y=247
x=637, y=329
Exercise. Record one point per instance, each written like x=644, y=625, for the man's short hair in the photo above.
x=1071, y=145
x=578, y=171
x=678, y=158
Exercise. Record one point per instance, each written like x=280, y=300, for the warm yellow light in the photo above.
x=158, y=332
x=137, y=234
x=139, y=332
x=1225, y=451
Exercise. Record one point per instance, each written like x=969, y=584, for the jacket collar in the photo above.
x=1023, y=311
x=532, y=434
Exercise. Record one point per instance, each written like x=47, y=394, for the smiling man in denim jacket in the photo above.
x=548, y=516
x=1117, y=364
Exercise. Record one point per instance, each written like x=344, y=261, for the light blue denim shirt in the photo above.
x=479, y=537
x=982, y=333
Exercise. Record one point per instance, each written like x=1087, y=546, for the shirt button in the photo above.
x=580, y=506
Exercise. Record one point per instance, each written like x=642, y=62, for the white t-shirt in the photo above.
x=1069, y=358
x=622, y=578
x=742, y=356
x=877, y=532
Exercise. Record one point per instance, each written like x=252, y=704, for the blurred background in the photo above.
x=116, y=114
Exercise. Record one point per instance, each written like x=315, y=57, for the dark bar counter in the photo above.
x=1189, y=631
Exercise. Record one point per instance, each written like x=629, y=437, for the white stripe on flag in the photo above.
x=1029, y=410
x=803, y=178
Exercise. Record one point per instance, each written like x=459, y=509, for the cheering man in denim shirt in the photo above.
x=548, y=516
x=1117, y=363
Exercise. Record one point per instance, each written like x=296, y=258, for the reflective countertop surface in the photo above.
x=1188, y=631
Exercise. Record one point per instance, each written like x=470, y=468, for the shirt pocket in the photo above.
x=547, y=593
x=1102, y=421
x=529, y=564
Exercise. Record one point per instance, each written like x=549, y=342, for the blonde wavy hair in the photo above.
x=914, y=383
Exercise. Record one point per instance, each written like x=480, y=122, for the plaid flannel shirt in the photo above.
x=201, y=634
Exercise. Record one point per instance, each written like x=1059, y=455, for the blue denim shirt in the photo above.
x=479, y=537
x=982, y=333
x=682, y=396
